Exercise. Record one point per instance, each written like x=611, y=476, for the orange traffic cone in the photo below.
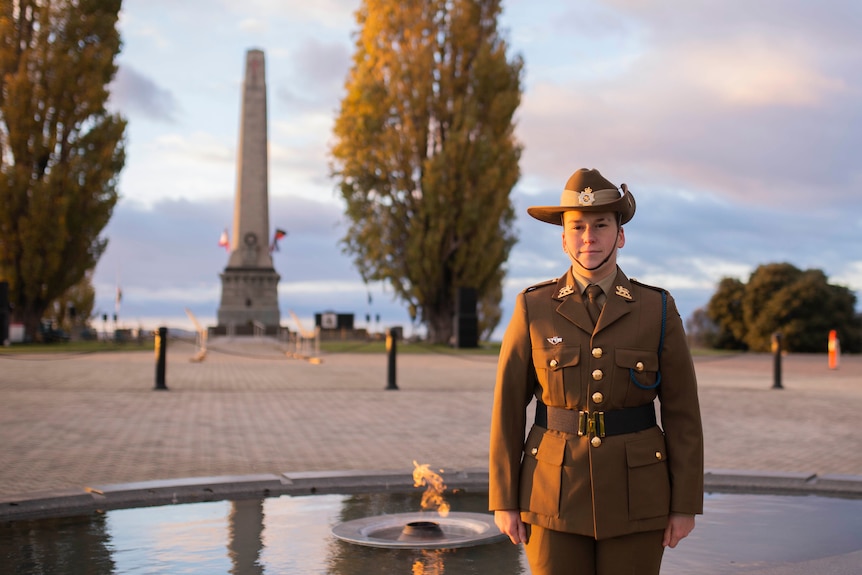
x=834, y=349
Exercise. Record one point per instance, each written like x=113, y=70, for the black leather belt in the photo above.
x=599, y=423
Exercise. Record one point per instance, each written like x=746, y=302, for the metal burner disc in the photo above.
x=459, y=530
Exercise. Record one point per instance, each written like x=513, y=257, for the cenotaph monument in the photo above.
x=249, y=283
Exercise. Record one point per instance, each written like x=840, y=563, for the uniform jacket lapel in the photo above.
x=572, y=307
x=571, y=304
x=617, y=304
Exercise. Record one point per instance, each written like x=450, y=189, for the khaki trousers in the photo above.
x=557, y=553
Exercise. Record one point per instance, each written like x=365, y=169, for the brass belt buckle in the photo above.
x=600, y=423
x=591, y=423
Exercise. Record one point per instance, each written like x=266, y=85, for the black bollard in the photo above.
x=776, y=349
x=161, y=354
x=391, y=349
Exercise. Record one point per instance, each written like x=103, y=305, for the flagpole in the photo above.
x=117, y=300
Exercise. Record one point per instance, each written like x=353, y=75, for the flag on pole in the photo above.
x=279, y=233
x=117, y=302
x=224, y=241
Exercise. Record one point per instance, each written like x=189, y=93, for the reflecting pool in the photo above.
x=292, y=534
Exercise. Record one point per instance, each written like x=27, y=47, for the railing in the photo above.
x=304, y=344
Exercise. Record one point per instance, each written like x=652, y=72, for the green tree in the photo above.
x=725, y=311
x=489, y=311
x=846, y=322
x=60, y=150
x=424, y=152
x=765, y=308
x=73, y=310
x=779, y=297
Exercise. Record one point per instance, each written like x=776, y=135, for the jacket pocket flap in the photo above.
x=637, y=359
x=551, y=449
x=557, y=357
x=640, y=453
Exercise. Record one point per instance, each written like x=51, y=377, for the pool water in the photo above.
x=289, y=534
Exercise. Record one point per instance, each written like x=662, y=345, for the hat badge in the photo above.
x=586, y=198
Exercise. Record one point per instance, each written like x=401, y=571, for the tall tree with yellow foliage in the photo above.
x=60, y=150
x=425, y=156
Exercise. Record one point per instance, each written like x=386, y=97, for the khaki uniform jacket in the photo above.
x=628, y=483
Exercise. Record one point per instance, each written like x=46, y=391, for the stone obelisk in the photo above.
x=249, y=292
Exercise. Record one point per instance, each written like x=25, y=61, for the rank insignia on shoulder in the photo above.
x=555, y=340
x=567, y=290
x=623, y=292
x=540, y=285
x=658, y=289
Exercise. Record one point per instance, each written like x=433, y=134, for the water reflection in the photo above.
x=192, y=538
x=73, y=542
x=743, y=532
x=245, y=528
x=348, y=559
x=293, y=535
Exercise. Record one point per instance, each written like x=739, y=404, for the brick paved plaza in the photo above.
x=70, y=421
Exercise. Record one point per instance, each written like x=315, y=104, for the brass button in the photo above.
x=598, y=375
x=598, y=397
x=554, y=363
x=597, y=352
x=639, y=366
x=596, y=441
x=535, y=450
x=658, y=455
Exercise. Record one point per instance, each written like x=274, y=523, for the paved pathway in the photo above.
x=72, y=421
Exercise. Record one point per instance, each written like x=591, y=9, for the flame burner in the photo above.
x=422, y=530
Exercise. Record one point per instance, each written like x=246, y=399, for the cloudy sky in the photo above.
x=737, y=125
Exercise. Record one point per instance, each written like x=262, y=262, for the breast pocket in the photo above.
x=552, y=369
x=638, y=371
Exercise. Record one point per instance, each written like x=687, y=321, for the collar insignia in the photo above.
x=569, y=289
x=555, y=340
x=586, y=198
x=623, y=292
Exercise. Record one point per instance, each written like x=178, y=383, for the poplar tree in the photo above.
x=425, y=156
x=60, y=150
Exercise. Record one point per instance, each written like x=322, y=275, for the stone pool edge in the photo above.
x=66, y=502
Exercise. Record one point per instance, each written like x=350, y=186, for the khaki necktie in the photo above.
x=592, y=304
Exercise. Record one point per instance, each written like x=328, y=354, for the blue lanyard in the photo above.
x=660, y=346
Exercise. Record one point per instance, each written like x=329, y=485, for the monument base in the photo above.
x=246, y=330
x=249, y=301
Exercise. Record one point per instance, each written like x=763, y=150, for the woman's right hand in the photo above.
x=509, y=522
